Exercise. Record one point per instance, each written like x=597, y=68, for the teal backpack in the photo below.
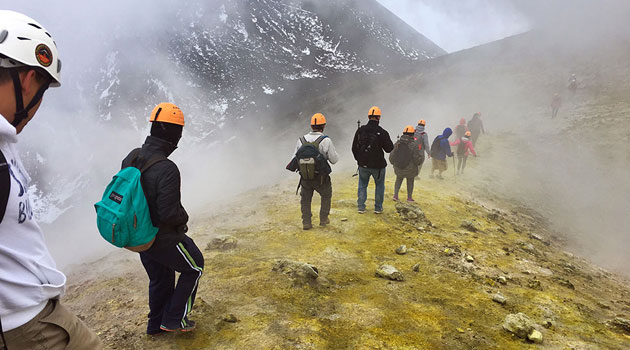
x=122, y=215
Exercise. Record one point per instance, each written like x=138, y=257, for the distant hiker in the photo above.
x=556, y=103
x=312, y=154
x=475, y=126
x=422, y=139
x=406, y=157
x=440, y=149
x=370, y=141
x=573, y=85
x=461, y=129
x=31, y=315
x=172, y=251
x=464, y=146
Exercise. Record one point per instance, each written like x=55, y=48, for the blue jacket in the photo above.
x=445, y=147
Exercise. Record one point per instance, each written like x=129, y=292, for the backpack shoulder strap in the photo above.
x=303, y=140
x=320, y=139
x=5, y=185
x=151, y=162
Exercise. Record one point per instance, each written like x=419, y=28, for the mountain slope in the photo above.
x=445, y=301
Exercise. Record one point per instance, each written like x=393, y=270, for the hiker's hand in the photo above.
x=182, y=229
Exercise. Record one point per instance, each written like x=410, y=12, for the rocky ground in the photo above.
x=460, y=269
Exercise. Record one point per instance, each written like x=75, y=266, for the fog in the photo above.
x=510, y=82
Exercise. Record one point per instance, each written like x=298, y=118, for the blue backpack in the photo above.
x=122, y=215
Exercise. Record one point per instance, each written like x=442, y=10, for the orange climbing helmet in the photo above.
x=409, y=130
x=167, y=113
x=467, y=133
x=422, y=122
x=374, y=112
x=318, y=119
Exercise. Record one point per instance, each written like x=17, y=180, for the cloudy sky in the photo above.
x=457, y=25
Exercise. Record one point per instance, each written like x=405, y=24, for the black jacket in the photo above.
x=375, y=157
x=161, y=184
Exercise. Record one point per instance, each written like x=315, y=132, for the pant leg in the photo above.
x=186, y=259
x=364, y=180
x=161, y=289
x=54, y=328
x=459, y=163
x=306, y=195
x=397, y=184
x=325, y=191
x=410, y=185
x=464, y=163
x=379, y=192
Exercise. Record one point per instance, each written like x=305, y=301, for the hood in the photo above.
x=462, y=121
x=158, y=145
x=7, y=131
x=447, y=132
x=406, y=138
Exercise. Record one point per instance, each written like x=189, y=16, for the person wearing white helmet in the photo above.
x=31, y=316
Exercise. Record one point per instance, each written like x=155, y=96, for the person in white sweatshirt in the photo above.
x=31, y=316
x=320, y=182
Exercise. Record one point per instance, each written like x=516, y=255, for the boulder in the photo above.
x=296, y=270
x=499, y=298
x=223, y=242
x=518, y=324
x=535, y=337
x=389, y=272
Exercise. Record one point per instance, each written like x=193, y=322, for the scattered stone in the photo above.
x=469, y=225
x=402, y=250
x=470, y=259
x=518, y=324
x=460, y=330
x=223, y=242
x=389, y=272
x=499, y=298
x=416, y=267
x=410, y=211
x=502, y=279
x=535, y=337
x=449, y=252
x=297, y=270
x=344, y=219
x=547, y=324
x=565, y=283
x=536, y=237
x=621, y=324
x=230, y=318
x=535, y=284
x=530, y=249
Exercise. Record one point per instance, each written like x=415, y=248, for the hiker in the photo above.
x=440, y=149
x=31, y=314
x=311, y=149
x=422, y=139
x=370, y=141
x=573, y=85
x=475, y=126
x=464, y=146
x=556, y=103
x=172, y=250
x=461, y=129
x=406, y=157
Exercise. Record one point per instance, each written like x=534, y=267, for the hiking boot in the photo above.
x=361, y=211
x=410, y=200
x=395, y=198
x=190, y=326
x=378, y=211
x=324, y=222
x=432, y=176
x=307, y=227
x=440, y=177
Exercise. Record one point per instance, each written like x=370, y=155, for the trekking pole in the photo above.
x=358, y=127
x=454, y=174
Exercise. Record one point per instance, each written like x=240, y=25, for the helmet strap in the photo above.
x=21, y=113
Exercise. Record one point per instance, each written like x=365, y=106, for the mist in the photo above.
x=74, y=150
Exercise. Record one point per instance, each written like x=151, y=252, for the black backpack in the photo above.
x=369, y=145
x=401, y=156
x=5, y=185
x=310, y=162
x=435, y=146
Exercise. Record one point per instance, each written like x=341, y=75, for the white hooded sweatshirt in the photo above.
x=28, y=274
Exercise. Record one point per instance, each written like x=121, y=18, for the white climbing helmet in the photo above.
x=24, y=42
